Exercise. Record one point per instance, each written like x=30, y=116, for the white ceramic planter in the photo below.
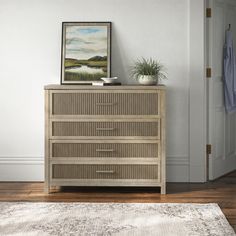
x=147, y=79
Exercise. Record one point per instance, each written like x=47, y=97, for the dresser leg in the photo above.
x=46, y=189
x=163, y=189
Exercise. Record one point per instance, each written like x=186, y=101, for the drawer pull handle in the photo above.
x=104, y=150
x=105, y=171
x=105, y=129
x=105, y=104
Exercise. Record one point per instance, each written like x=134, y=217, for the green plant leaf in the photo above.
x=148, y=67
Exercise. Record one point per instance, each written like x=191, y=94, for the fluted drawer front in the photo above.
x=123, y=150
x=105, y=129
x=105, y=103
x=74, y=171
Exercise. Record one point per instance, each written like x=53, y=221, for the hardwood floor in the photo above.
x=221, y=191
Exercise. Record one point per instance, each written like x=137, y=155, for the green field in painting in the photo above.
x=70, y=63
x=94, y=62
x=70, y=76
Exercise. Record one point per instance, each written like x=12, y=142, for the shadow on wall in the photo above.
x=119, y=61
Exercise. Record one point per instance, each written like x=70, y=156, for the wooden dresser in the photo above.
x=105, y=136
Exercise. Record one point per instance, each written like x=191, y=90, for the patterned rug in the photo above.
x=126, y=219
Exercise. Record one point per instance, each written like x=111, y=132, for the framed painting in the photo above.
x=86, y=52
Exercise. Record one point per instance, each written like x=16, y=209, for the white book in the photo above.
x=98, y=83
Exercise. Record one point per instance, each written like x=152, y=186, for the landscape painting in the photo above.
x=85, y=52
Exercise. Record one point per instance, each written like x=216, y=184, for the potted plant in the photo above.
x=148, y=71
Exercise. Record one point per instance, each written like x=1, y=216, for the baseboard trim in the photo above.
x=177, y=168
x=177, y=160
x=21, y=169
x=22, y=160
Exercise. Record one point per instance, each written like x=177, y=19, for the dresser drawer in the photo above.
x=75, y=171
x=68, y=149
x=103, y=129
x=104, y=103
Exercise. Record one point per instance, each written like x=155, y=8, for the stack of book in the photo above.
x=102, y=83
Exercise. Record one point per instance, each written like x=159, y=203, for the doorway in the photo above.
x=221, y=126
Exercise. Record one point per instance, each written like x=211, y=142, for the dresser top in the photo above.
x=93, y=87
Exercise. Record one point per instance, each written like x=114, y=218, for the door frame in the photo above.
x=197, y=92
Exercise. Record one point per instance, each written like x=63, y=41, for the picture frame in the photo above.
x=85, y=52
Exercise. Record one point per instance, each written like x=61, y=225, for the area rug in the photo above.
x=126, y=219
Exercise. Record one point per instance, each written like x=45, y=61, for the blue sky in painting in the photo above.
x=84, y=42
x=89, y=30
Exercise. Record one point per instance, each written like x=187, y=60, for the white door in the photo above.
x=221, y=126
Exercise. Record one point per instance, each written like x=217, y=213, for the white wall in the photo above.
x=30, y=44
